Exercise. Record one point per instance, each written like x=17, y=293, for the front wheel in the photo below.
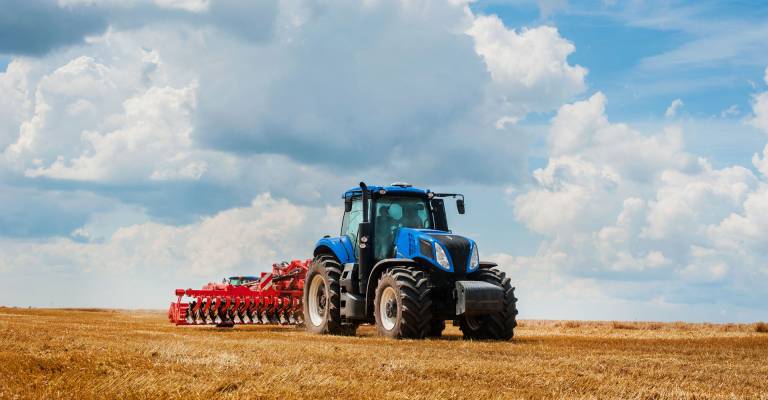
x=497, y=326
x=402, y=306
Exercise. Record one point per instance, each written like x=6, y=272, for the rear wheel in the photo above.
x=402, y=304
x=498, y=326
x=322, y=313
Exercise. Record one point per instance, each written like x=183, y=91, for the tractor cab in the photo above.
x=393, y=208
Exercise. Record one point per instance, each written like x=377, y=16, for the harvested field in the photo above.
x=127, y=354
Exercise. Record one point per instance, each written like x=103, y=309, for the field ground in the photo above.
x=126, y=354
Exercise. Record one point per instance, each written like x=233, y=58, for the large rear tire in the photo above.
x=402, y=306
x=322, y=295
x=498, y=326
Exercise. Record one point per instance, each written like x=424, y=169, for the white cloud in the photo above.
x=673, y=108
x=761, y=163
x=505, y=121
x=760, y=110
x=187, y=5
x=615, y=201
x=760, y=121
x=152, y=141
x=731, y=111
x=765, y=77
x=79, y=96
x=244, y=239
x=138, y=103
x=582, y=128
x=530, y=67
x=15, y=103
x=566, y=189
x=685, y=203
x=747, y=230
x=117, y=114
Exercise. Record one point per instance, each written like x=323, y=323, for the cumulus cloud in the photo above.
x=765, y=77
x=239, y=239
x=673, y=108
x=153, y=143
x=530, y=67
x=759, y=120
x=97, y=122
x=615, y=201
x=326, y=96
x=138, y=105
x=15, y=102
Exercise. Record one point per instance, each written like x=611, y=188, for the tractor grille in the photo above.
x=458, y=250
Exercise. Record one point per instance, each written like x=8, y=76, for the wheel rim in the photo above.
x=388, y=308
x=317, y=300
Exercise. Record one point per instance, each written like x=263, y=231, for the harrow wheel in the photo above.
x=498, y=326
x=403, y=304
x=322, y=311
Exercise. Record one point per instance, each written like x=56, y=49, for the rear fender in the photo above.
x=341, y=247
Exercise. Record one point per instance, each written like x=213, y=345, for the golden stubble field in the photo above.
x=84, y=354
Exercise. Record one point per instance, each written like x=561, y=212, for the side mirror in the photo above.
x=348, y=204
x=460, y=205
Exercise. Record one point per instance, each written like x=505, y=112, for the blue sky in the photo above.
x=613, y=153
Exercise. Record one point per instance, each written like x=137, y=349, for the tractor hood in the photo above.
x=441, y=249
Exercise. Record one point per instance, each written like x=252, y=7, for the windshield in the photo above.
x=392, y=213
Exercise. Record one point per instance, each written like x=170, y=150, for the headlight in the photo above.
x=474, y=260
x=442, y=258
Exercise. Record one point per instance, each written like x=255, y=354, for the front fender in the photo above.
x=377, y=270
x=488, y=264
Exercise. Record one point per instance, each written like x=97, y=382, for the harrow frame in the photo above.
x=276, y=298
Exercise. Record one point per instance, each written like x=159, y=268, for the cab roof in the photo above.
x=394, y=188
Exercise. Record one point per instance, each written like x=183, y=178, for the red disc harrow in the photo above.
x=274, y=298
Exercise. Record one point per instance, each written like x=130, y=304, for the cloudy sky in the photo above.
x=613, y=154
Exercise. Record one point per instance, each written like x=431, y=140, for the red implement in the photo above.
x=274, y=298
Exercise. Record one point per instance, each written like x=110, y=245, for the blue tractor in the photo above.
x=396, y=264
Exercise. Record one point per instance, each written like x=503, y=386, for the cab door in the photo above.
x=350, y=224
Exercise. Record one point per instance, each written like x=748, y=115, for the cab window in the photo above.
x=393, y=213
x=351, y=221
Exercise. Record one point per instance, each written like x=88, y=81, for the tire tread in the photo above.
x=498, y=326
